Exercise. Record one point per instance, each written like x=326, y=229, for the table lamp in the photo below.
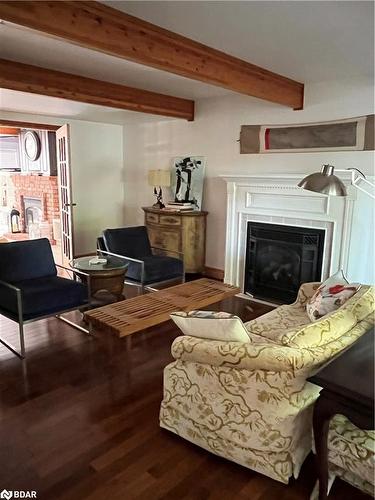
x=159, y=179
x=326, y=182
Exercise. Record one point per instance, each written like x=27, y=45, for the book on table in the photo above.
x=177, y=205
x=180, y=203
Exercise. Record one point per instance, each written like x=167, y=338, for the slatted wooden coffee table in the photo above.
x=131, y=315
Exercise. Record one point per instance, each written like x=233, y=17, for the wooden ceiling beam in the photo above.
x=32, y=125
x=27, y=78
x=99, y=27
x=9, y=131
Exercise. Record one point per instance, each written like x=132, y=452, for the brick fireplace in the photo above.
x=36, y=191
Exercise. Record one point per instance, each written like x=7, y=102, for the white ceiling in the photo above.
x=309, y=41
x=22, y=102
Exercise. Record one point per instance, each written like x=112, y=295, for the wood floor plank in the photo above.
x=79, y=420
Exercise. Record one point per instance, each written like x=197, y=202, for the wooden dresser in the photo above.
x=181, y=232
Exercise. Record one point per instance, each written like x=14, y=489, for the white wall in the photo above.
x=97, y=163
x=97, y=181
x=361, y=265
x=214, y=134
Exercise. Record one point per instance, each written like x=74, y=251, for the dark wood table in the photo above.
x=108, y=276
x=348, y=389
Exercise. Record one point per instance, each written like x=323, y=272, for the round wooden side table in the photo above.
x=103, y=277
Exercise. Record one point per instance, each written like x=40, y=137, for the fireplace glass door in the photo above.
x=279, y=258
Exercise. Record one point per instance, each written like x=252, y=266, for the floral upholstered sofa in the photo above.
x=250, y=402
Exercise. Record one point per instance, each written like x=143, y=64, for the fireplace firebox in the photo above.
x=33, y=211
x=279, y=258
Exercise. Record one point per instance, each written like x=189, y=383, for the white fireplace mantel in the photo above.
x=276, y=199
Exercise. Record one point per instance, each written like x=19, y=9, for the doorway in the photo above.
x=35, y=186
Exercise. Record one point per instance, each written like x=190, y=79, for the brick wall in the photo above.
x=37, y=186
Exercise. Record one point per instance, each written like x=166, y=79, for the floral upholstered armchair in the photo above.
x=351, y=456
x=250, y=402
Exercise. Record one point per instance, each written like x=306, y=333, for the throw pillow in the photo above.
x=331, y=295
x=211, y=325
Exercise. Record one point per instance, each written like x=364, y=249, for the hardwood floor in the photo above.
x=79, y=420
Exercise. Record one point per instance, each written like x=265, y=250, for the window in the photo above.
x=9, y=153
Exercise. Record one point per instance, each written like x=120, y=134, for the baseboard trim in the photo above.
x=212, y=272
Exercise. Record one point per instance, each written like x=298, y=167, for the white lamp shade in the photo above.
x=159, y=178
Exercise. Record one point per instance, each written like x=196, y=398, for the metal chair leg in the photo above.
x=12, y=349
x=22, y=339
x=74, y=325
x=22, y=353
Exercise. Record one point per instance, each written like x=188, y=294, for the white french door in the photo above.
x=65, y=193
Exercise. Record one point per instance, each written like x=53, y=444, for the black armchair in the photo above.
x=147, y=265
x=30, y=288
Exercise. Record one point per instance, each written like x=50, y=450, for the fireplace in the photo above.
x=275, y=199
x=279, y=258
x=37, y=198
x=33, y=211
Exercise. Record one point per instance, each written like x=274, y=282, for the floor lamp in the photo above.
x=326, y=182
